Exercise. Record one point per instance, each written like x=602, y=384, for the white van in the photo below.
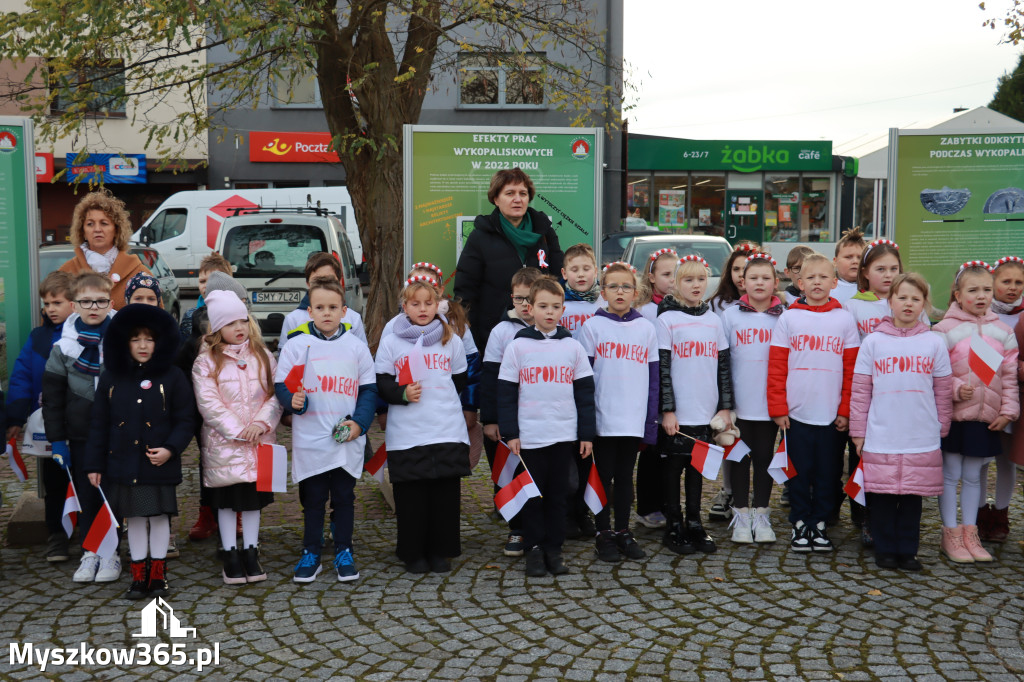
x=184, y=228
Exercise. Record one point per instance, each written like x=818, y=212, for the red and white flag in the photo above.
x=378, y=463
x=102, y=536
x=855, y=486
x=296, y=379
x=414, y=366
x=14, y=458
x=69, y=517
x=594, y=494
x=271, y=468
x=983, y=359
x=707, y=459
x=737, y=451
x=781, y=469
x=512, y=497
x=505, y=463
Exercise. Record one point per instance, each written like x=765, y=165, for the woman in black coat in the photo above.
x=512, y=237
x=142, y=420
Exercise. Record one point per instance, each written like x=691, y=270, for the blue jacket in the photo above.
x=27, y=380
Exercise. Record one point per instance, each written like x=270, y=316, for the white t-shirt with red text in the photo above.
x=749, y=334
x=576, y=313
x=695, y=341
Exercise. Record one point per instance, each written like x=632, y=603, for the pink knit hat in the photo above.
x=224, y=308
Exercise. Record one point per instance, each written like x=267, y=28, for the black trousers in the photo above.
x=428, y=514
x=760, y=438
x=615, y=457
x=678, y=464
x=55, y=486
x=650, y=481
x=578, y=483
x=515, y=526
x=812, y=492
x=88, y=495
x=895, y=523
x=339, y=486
x=544, y=517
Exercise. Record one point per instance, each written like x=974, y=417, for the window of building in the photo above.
x=638, y=197
x=501, y=80
x=670, y=196
x=864, y=206
x=707, y=199
x=295, y=87
x=782, y=208
x=814, y=210
x=104, y=83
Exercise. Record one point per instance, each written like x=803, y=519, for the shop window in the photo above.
x=707, y=200
x=501, y=80
x=638, y=198
x=864, y=206
x=782, y=208
x=102, y=87
x=814, y=210
x=669, y=210
x=168, y=223
x=295, y=87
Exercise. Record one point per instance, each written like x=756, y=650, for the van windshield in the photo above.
x=272, y=250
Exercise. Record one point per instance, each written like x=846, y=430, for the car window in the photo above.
x=271, y=250
x=715, y=253
x=168, y=223
x=148, y=258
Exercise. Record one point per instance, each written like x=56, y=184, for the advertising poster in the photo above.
x=108, y=169
x=958, y=197
x=672, y=208
x=448, y=170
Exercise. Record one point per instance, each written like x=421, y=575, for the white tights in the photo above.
x=149, y=534
x=967, y=472
x=1006, y=479
x=250, y=528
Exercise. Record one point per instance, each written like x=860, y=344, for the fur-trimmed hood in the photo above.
x=116, y=354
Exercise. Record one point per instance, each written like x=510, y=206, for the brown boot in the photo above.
x=1000, y=528
x=985, y=520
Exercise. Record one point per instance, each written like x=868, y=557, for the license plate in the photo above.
x=276, y=296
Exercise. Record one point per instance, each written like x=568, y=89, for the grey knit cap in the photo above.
x=218, y=281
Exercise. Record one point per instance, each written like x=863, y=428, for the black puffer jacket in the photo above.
x=140, y=406
x=668, y=398
x=483, y=278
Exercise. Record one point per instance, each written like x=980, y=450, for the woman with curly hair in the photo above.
x=100, y=230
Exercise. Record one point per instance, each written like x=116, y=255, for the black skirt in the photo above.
x=141, y=500
x=972, y=439
x=239, y=497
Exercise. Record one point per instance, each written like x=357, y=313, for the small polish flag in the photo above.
x=505, y=463
x=594, y=494
x=296, y=379
x=414, y=367
x=102, y=536
x=378, y=463
x=512, y=497
x=71, y=508
x=271, y=468
x=781, y=469
x=983, y=359
x=737, y=451
x=14, y=458
x=707, y=459
x=855, y=486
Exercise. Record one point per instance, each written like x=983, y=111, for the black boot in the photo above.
x=535, y=567
x=254, y=573
x=158, y=577
x=140, y=580
x=607, y=549
x=553, y=560
x=234, y=573
x=677, y=540
x=702, y=542
x=586, y=523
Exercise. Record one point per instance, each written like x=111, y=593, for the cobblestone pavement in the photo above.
x=744, y=613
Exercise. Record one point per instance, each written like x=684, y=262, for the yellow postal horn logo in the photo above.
x=277, y=148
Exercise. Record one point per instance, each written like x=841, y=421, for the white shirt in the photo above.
x=545, y=371
x=695, y=342
x=718, y=307
x=621, y=352
x=844, y=290
x=334, y=372
x=437, y=416
x=576, y=313
x=749, y=334
x=650, y=311
x=902, y=417
x=501, y=335
x=300, y=316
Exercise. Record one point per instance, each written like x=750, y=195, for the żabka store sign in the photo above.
x=288, y=147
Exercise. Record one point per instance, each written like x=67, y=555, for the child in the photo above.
x=980, y=410
x=516, y=319
x=142, y=420
x=69, y=385
x=794, y=261
x=23, y=399
x=582, y=290
x=994, y=521
x=810, y=369
x=661, y=266
x=426, y=438
x=210, y=264
x=341, y=392
x=748, y=329
x=144, y=288
x=694, y=364
x=901, y=404
x=623, y=350
x=234, y=386
x=542, y=419
x=849, y=251
x=320, y=264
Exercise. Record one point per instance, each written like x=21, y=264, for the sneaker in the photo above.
x=514, y=545
x=820, y=541
x=721, y=506
x=57, y=548
x=652, y=520
x=109, y=570
x=554, y=563
x=762, y=526
x=801, y=541
x=587, y=527
x=172, y=549
x=345, y=565
x=308, y=568
x=784, y=497
x=677, y=539
x=628, y=545
x=535, y=567
x=87, y=568
x=702, y=542
x=606, y=548
x=233, y=572
x=742, y=526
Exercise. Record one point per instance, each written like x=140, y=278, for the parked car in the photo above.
x=268, y=250
x=52, y=256
x=614, y=243
x=715, y=250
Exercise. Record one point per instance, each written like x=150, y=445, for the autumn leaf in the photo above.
x=875, y=593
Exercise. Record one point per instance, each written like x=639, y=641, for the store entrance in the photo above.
x=744, y=215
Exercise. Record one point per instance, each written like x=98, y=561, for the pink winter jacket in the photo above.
x=918, y=473
x=1017, y=451
x=229, y=403
x=1001, y=397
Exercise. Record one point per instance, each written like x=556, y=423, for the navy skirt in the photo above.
x=972, y=439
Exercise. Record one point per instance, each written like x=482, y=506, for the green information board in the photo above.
x=19, y=238
x=957, y=197
x=448, y=170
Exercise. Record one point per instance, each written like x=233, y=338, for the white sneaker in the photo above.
x=741, y=526
x=762, y=526
x=652, y=520
x=110, y=570
x=86, y=572
x=721, y=506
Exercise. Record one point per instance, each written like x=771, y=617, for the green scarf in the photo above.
x=522, y=237
x=865, y=296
